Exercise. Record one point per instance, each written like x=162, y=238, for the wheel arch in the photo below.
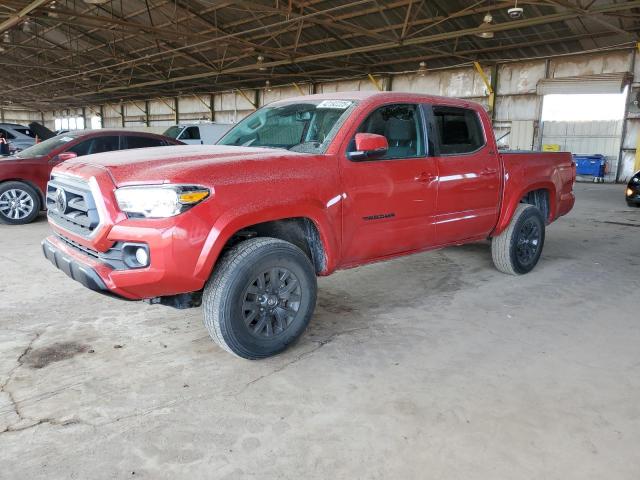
x=541, y=195
x=313, y=234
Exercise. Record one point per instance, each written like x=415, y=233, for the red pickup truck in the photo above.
x=300, y=188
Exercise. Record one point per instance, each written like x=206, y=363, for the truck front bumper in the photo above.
x=74, y=268
x=96, y=272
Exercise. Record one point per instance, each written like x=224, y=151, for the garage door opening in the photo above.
x=589, y=125
x=584, y=107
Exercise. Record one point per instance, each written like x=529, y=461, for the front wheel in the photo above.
x=19, y=203
x=517, y=249
x=260, y=297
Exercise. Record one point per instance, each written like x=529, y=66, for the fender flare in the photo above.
x=227, y=225
x=510, y=206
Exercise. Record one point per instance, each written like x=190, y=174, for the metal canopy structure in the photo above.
x=56, y=54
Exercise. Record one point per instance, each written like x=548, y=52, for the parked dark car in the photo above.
x=24, y=176
x=633, y=191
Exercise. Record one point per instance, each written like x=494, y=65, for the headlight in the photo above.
x=159, y=201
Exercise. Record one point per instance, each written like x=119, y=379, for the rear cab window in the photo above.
x=458, y=130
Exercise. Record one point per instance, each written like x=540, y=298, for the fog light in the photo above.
x=629, y=192
x=142, y=256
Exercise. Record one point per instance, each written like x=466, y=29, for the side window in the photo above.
x=25, y=131
x=105, y=144
x=81, y=148
x=7, y=135
x=190, y=133
x=143, y=142
x=401, y=124
x=95, y=145
x=459, y=130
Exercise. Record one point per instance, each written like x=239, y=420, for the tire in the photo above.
x=19, y=203
x=238, y=299
x=517, y=249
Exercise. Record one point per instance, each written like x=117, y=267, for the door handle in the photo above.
x=488, y=171
x=425, y=177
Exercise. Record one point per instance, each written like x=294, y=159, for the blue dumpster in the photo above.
x=593, y=165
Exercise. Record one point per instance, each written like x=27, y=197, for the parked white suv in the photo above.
x=198, y=133
x=18, y=136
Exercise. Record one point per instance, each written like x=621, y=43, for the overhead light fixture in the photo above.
x=6, y=38
x=422, y=69
x=267, y=86
x=53, y=13
x=96, y=2
x=26, y=26
x=516, y=12
x=486, y=23
x=260, y=63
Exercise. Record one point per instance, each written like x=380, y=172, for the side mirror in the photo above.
x=61, y=157
x=369, y=145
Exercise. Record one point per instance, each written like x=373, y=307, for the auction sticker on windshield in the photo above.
x=339, y=104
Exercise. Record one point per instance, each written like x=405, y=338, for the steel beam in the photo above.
x=15, y=19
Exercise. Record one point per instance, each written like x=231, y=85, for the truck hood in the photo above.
x=173, y=164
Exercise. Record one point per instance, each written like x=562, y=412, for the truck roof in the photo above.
x=384, y=97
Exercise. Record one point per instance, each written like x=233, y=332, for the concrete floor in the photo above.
x=430, y=366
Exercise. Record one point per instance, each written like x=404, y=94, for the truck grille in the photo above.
x=70, y=205
x=81, y=248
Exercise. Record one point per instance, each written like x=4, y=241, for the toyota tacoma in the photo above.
x=300, y=188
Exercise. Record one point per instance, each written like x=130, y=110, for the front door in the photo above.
x=469, y=175
x=389, y=202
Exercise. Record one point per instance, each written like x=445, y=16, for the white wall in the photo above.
x=23, y=117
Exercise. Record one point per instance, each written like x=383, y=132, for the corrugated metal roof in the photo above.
x=74, y=53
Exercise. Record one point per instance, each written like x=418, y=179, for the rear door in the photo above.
x=389, y=202
x=469, y=174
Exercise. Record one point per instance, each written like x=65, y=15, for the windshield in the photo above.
x=302, y=127
x=172, y=132
x=44, y=148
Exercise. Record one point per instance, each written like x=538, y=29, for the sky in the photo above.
x=577, y=107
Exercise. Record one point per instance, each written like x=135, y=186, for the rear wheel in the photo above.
x=517, y=249
x=19, y=203
x=260, y=297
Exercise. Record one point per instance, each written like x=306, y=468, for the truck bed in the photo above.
x=526, y=171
